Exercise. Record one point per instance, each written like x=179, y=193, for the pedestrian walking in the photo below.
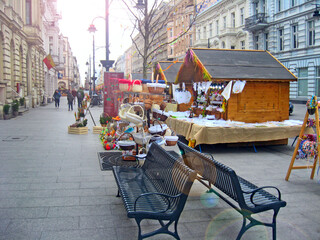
x=74, y=94
x=70, y=101
x=80, y=96
x=56, y=96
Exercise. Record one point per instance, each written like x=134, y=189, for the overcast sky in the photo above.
x=77, y=16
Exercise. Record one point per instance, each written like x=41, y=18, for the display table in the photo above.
x=239, y=134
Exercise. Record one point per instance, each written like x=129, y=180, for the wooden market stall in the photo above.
x=167, y=71
x=266, y=94
x=264, y=98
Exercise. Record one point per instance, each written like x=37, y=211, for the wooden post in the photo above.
x=318, y=146
x=297, y=145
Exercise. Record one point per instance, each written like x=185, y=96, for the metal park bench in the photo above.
x=250, y=198
x=158, y=190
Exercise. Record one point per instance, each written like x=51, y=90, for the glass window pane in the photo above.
x=303, y=82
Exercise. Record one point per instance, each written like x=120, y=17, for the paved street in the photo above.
x=51, y=186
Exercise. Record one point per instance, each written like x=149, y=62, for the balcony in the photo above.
x=256, y=22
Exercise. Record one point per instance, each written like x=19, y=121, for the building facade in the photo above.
x=290, y=30
x=220, y=25
x=53, y=45
x=28, y=33
x=21, y=52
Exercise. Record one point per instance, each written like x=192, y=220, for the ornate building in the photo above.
x=290, y=30
x=22, y=51
x=220, y=25
x=28, y=33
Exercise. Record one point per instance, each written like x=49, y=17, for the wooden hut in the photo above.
x=167, y=70
x=266, y=94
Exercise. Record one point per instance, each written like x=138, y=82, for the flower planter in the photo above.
x=78, y=130
x=98, y=129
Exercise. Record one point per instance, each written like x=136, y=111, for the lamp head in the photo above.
x=140, y=4
x=92, y=28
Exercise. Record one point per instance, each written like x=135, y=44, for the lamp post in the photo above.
x=92, y=29
x=107, y=63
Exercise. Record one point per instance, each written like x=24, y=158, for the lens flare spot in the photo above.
x=209, y=199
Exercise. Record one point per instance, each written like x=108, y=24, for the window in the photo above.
x=294, y=29
x=311, y=33
x=256, y=42
x=233, y=20
x=241, y=16
x=190, y=40
x=243, y=44
x=217, y=27
x=318, y=81
x=50, y=39
x=266, y=41
x=204, y=32
x=224, y=22
x=264, y=6
x=171, y=32
x=28, y=12
x=303, y=82
x=199, y=33
x=223, y=45
x=232, y=47
x=281, y=40
x=190, y=19
x=50, y=48
x=210, y=30
x=256, y=8
x=279, y=5
x=293, y=3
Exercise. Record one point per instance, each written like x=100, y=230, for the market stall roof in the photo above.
x=221, y=64
x=168, y=70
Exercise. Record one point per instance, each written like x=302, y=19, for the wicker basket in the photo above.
x=136, y=86
x=126, y=145
x=163, y=128
x=171, y=140
x=133, y=117
x=125, y=85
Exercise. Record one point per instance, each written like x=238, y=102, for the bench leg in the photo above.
x=274, y=224
x=118, y=194
x=163, y=229
x=254, y=222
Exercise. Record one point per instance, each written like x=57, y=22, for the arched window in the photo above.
x=223, y=45
x=28, y=12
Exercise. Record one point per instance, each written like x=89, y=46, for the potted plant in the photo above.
x=6, y=109
x=15, y=107
x=105, y=119
x=22, y=101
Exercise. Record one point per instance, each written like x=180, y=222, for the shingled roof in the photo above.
x=223, y=64
x=170, y=70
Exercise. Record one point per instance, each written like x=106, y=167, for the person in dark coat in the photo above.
x=80, y=96
x=70, y=101
x=74, y=94
x=56, y=97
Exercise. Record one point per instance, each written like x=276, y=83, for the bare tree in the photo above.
x=149, y=21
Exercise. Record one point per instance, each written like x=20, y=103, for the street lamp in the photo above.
x=92, y=29
x=107, y=63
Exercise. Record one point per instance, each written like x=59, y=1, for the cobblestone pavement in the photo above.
x=51, y=186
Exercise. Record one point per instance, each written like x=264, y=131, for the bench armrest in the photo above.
x=253, y=192
x=166, y=196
